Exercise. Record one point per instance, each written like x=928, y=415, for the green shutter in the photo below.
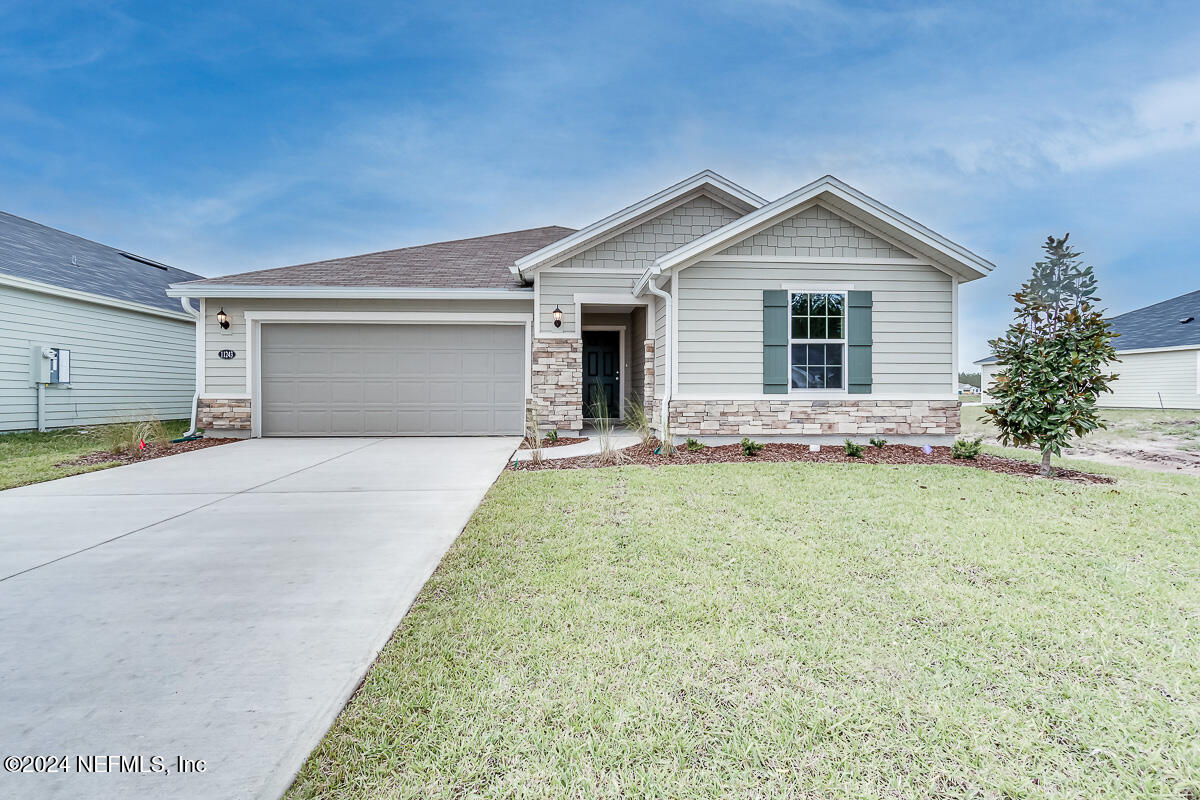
x=858, y=342
x=775, y=341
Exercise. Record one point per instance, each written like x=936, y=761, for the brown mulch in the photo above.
x=153, y=450
x=559, y=442
x=643, y=454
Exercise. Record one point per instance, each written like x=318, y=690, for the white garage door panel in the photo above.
x=390, y=379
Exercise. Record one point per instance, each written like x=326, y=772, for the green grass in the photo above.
x=1124, y=425
x=793, y=630
x=30, y=457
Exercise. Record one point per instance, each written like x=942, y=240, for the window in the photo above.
x=818, y=342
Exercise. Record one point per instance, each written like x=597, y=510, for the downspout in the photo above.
x=186, y=302
x=665, y=405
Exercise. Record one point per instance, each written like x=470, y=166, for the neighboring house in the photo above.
x=823, y=314
x=1158, y=352
x=90, y=331
x=966, y=388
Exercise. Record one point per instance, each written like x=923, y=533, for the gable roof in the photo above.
x=34, y=252
x=707, y=182
x=481, y=262
x=847, y=202
x=1157, y=325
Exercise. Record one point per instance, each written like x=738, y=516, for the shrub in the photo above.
x=533, y=437
x=694, y=444
x=126, y=437
x=552, y=435
x=853, y=449
x=750, y=447
x=966, y=448
x=878, y=442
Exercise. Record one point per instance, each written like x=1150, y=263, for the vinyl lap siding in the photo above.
x=720, y=324
x=1141, y=379
x=227, y=377
x=559, y=289
x=124, y=364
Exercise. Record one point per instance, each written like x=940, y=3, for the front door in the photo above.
x=601, y=374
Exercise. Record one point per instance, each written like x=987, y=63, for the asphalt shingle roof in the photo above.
x=1158, y=325
x=35, y=252
x=479, y=263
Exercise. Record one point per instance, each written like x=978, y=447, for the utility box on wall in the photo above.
x=50, y=364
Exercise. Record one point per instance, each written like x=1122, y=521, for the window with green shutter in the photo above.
x=817, y=344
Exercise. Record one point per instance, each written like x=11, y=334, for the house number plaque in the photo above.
x=226, y=354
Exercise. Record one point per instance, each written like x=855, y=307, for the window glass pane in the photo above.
x=818, y=305
x=835, y=328
x=816, y=328
x=799, y=377
x=800, y=305
x=833, y=377
x=799, y=327
x=816, y=378
x=833, y=354
x=836, y=304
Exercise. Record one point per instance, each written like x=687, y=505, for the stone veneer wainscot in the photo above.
x=557, y=379
x=816, y=417
x=217, y=414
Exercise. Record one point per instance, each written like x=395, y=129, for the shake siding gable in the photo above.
x=815, y=232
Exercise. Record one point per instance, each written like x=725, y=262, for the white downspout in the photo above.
x=186, y=302
x=665, y=405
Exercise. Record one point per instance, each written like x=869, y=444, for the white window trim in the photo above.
x=256, y=319
x=844, y=388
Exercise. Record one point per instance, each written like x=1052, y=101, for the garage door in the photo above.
x=392, y=380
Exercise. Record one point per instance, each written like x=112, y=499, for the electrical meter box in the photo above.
x=50, y=364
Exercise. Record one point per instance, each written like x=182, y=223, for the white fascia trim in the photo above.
x=437, y=317
x=629, y=213
x=915, y=262
x=746, y=226
x=97, y=299
x=354, y=292
x=1134, y=352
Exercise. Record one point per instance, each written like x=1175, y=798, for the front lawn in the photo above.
x=793, y=630
x=30, y=457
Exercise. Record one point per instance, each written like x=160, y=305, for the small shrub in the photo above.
x=750, y=447
x=878, y=442
x=533, y=437
x=552, y=435
x=126, y=437
x=966, y=448
x=693, y=445
x=853, y=449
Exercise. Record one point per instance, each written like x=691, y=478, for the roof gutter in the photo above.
x=194, y=313
x=332, y=292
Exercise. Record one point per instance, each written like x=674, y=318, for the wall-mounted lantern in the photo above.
x=223, y=319
x=557, y=317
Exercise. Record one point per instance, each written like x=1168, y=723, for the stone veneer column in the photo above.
x=648, y=377
x=216, y=415
x=558, y=383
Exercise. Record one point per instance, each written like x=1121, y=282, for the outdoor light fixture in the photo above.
x=557, y=317
x=222, y=318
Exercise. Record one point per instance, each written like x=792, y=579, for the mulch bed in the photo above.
x=153, y=450
x=643, y=454
x=559, y=442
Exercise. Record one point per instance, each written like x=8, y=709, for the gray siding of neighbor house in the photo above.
x=559, y=289
x=721, y=331
x=637, y=247
x=124, y=364
x=815, y=232
x=1141, y=379
x=227, y=377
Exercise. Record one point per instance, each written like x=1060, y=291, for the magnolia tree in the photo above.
x=1053, y=357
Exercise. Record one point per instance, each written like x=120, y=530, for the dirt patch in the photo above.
x=559, y=442
x=152, y=450
x=828, y=454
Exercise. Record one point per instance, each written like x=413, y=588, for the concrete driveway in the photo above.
x=215, y=606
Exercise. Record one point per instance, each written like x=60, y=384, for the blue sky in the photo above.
x=220, y=137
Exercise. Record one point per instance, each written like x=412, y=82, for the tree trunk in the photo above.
x=1045, y=470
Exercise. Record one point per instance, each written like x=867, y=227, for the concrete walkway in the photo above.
x=621, y=438
x=216, y=606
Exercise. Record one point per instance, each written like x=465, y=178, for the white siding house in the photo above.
x=132, y=350
x=1158, y=357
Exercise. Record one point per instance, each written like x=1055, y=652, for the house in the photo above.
x=824, y=314
x=1158, y=357
x=87, y=332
